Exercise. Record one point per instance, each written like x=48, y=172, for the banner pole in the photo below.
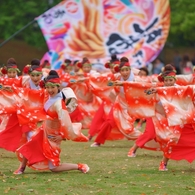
x=24, y=27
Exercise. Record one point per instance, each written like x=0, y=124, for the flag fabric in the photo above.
x=99, y=28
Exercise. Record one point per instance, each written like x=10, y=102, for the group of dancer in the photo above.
x=37, y=146
x=54, y=105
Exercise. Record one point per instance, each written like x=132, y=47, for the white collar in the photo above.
x=131, y=78
x=33, y=86
x=52, y=100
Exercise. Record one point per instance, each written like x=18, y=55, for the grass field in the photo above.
x=111, y=173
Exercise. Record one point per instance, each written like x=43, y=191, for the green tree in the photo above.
x=16, y=14
x=182, y=23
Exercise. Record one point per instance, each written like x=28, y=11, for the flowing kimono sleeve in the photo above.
x=27, y=103
x=100, y=88
x=8, y=101
x=140, y=104
x=185, y=80
x=178, y=104
x=17, y=82
x=71, y=99
x=68, y=130
x=30, y=105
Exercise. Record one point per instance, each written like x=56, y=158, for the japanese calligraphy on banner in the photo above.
x=96, y=29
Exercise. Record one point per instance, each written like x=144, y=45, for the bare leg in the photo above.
x=132, y=151
x=69, y=166
x=24, y=162
x=163, y=164
x=134, y=148
x=139, y=124
x=165, y=160
x=65, y=167
x=22, y=167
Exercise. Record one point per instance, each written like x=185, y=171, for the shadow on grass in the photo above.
x=114, y=146
x=187, y=170
x=9, y=157
x=157, y=156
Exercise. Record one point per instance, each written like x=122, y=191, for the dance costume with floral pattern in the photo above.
x=174, y=129
x=108, y=95
x=29, y=105
x=88, y=103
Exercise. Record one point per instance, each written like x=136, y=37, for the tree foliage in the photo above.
x=15, y=14
x=182, y=22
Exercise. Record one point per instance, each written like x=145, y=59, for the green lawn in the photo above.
x=111, y=172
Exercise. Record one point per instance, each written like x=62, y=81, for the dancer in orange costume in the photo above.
x=88, y=103
x=11, y=130
x=55, y=129
x=174, y=123
x=107, y=95
x=118, y=116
